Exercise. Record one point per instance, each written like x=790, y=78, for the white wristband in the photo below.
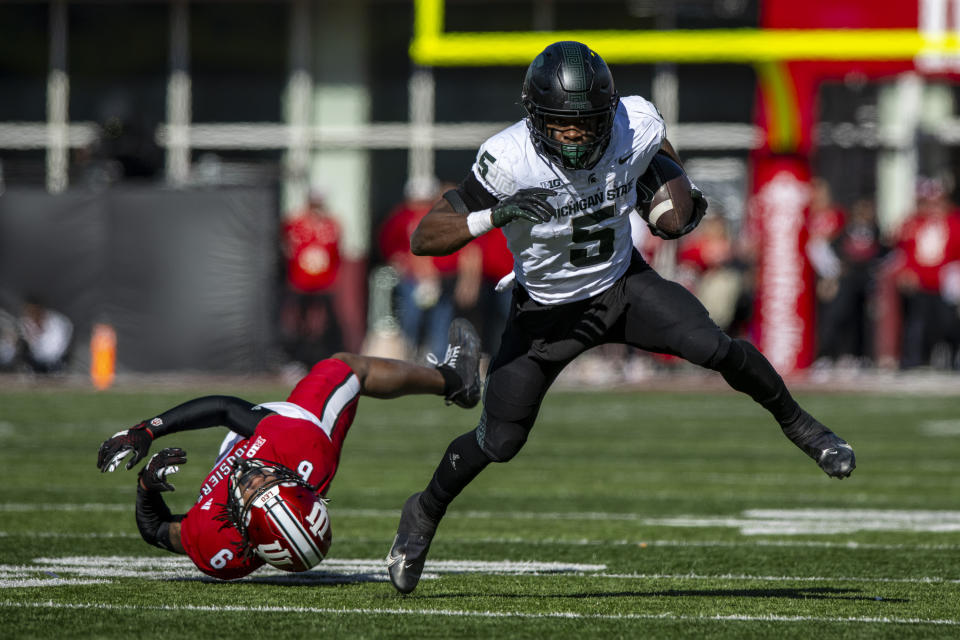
x=479, y=222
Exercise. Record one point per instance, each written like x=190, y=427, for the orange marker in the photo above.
x=103, y=355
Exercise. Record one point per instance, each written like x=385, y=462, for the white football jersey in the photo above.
x=587, y=246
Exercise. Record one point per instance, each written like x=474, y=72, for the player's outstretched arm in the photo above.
x=199, y=413
x=441, y=232
x=156, y=524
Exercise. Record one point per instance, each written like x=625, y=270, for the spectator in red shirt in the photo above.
x=425, y=295
x=311, y=247
x=928, y=242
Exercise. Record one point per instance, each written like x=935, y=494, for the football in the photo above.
x=663, y=196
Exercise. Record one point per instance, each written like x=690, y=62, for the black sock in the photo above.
x=451, y=381
x=748, y=371
x=462, y=462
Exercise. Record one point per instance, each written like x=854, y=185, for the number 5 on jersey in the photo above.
x=485, y=161
x=582, y=235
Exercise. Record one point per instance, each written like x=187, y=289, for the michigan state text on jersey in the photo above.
x=586, y=246
x=561, y=184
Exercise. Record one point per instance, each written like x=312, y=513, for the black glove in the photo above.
x=112, y=452
x=528, y=204
x=699, y=209
x=162, y=464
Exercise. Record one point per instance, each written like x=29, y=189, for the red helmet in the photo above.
x=280, y=516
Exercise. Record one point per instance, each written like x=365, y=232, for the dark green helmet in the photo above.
x=570, y=82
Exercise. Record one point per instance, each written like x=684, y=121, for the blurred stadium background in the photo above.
x=151, y=151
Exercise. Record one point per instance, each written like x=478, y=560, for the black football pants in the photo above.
x=641, y=309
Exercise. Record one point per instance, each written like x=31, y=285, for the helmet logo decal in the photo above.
x=278, y=515
x=292, y=530
x=573, y=73
x=275, y=554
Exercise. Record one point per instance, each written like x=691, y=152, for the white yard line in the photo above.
x=752, y=578
x=567, y=615
x=58, y=571
x=750, y=522
x=815, y=544
x=580, y=542
x=126, y=563
x=46, y=582
x=72, y=536
x=47, y=571
x=40, y=506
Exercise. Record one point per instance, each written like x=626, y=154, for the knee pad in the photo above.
x=500, y=441
x=728, y=356
x=706, y=346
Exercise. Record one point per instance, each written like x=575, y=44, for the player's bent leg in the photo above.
x=668, y=318
x=511, y=405
x=422, y=512
x=747, y=370
x=501, y=441
x=512, y=401
x=664, y=317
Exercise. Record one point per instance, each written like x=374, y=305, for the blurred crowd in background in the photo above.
x=155, y=129
x=887, y=301
x=882, y=300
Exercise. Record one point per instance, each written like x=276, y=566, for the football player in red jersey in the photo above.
x=263, y=501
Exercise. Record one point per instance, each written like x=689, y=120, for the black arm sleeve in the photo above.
x=154, y=518
x=469, y=196
x=208, y=411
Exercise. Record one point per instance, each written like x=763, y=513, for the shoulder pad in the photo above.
x=640, y=107
x=499, y=160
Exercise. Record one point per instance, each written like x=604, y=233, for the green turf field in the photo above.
x=630, y=515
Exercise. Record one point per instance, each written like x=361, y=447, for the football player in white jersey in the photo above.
x=561, y=184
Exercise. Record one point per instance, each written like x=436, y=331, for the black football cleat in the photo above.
x=463, y=358
x=830, y=452
x=409, y=550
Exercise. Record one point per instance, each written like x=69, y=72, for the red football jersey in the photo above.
x=313, y=247
x=395, y=237
x=928, y=243
x=306, y=435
